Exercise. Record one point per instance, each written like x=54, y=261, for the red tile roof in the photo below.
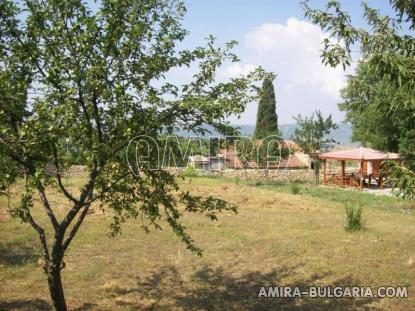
x=291, y=162
x=231, y=158
x=233, y=161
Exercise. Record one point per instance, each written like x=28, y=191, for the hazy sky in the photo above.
x=275, y=34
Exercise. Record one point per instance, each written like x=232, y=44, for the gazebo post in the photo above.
x=380, y=181
x=342, y=171
x=324, y=171
x=361, y=175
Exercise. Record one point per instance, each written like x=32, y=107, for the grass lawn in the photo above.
x=276, y=239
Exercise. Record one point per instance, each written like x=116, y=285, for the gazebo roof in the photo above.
x=359, y=154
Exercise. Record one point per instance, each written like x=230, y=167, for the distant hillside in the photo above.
x=343, y=135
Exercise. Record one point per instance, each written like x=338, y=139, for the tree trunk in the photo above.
x=55, y=288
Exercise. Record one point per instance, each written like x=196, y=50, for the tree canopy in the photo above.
x=387, y=53
x=311, y=133
x=366, y=101
x=98, y=78
x=267, y=119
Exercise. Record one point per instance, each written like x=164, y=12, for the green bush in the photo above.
x=353, y=218
x=189, y=171
x=259, y=183
x=295, y=188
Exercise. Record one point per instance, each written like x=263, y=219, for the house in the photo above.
x=217, y=163
x=199, y=161
x=294, y=162
x=231, y=158
x=207, y=163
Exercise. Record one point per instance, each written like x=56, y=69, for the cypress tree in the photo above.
x=267, y=119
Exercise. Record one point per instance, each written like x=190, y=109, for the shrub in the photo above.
x=258, y=183
x=295, y=188
x=353, y=217
x=189, y=171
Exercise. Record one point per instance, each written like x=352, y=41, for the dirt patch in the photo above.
x=4, y=215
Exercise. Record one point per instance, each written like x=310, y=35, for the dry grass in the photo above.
x=276, y=239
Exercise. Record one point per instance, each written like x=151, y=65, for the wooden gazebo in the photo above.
x=369, y=167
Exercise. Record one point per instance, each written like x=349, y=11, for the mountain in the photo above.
x=342, y=135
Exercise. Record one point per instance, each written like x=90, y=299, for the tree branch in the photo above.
x=59, y=177
x=42, y=237
x=105, y=190
x=86, y=193
x=76, y=227
x=78, y=223
x=47, y=207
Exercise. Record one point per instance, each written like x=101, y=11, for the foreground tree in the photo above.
x=366, y=101
x=388, y=55
x=267, y=119
x=97, y=79
x=311, y=133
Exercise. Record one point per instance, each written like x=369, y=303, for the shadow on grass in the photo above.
x=39, y=305
x=215, y=289
x=16, y=254
x=29, y=305
x=86, y=307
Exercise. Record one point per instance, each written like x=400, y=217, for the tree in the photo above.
x=387, y=52
x=366, y=101
x=267, y=119
x=311, y=133
x=97, y=78
x=268, y=144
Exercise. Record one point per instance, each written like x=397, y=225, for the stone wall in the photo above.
x=76, y=170
x=72, y=171
x=288, y=176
